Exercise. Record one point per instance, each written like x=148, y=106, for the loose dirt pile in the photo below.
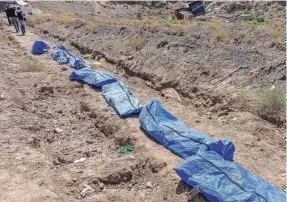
x=59, y=138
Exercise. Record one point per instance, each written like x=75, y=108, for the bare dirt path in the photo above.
x=48, y=122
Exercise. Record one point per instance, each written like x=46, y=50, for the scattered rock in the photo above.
x=197, y=121
x=116, y=177
x=260, y=19
x=58, y=130
x=123, y=140
x=63, y=69
x=87, y=190
x=2, y=97
x=149, y=185
x=89, y=141
x=201, y=18
x=130, y=57
x=49, y=89
x=102, y=186
x=223, y=113
x=156, y=165
x=34, y=142
x=80, y=160
x=162, y=44
x=234, y=96
x=170, y=93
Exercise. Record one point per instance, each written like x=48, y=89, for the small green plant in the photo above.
x=275, y=34
x=136, y=42
x=273, y=99
x=31, y=65
x=174, y=30
x=242, y=34
x=214, y=27
x=221, y=36
x=66, y=20
x=272, y=106
x=89, y=25
x=39, y=19
x=253, y=22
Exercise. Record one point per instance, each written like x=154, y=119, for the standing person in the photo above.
x=21, y=20
x=6, y=11
x=13, y=17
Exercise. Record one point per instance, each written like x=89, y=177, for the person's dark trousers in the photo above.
x=9, y=21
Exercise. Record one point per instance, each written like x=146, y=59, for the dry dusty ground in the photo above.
x=48, y=122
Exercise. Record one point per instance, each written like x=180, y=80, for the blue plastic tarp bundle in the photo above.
x=177, y=137
x=221, y=181
x=39, y=47
x=92, y=77
x=63, y=56
x=121, y=99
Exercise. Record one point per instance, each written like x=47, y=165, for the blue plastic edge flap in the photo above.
x=63, y=56
x=220, y=180
x=92, y=77
x=121, y=99
x=39, y=47
x=176, y=136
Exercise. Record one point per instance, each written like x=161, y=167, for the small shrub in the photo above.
x=221, y=36
x=66, y=20
x=214, y=27
x=174, y=30
x=272, y=106
x=136, y=42
x=275, y=34
x=31, y=65
x=242, y=34
x=39, y=19
x=274, y=99
x=89, y=25
x=3, y=38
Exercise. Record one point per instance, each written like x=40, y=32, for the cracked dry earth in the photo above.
x=49, y=122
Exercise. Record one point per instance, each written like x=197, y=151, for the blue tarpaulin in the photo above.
x=121, y=99
x=39, y=47
x=63, y=56
x=177, y=137
x=92, y=77
x=221, y=181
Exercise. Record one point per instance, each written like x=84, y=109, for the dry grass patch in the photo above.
x=66, y=20
x=221, y=36
x=272, y=106
x=89, y=25
x=3, y=38
x=136, y=42
x=274, y=34
x=242, y=34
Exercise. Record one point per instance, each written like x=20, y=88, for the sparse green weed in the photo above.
x=242, y=34
x=275, y=34
x=221, y=36
x=136, y=42
x=65, y=20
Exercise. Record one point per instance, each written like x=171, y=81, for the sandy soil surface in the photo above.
x=49, y=122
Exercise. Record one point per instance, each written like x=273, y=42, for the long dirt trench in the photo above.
x=48, y=122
